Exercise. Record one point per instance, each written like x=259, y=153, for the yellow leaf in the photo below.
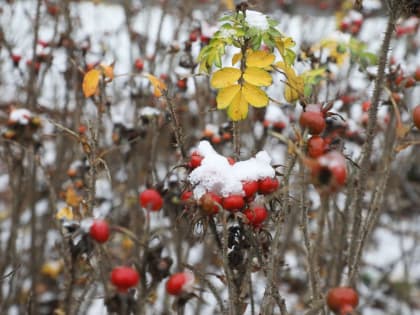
x=229, y=4
x=65, y=213
x=282, y=43
x=108, y=71
x=238, y=110
x=91, y=82
x=257, y=76
x=52, y=268
x=226, y=96
x=295, y=84
x=59, y=311
x=127, y=243
x=254, y=95
x=72, y=198
x=260, y=59
x=236, y=57
x=225, y=77
x=158, y=85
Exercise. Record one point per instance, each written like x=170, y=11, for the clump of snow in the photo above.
x=218, y=176
x=275, y=114
x=20, y=115
x=149, y=111
x=257, y=20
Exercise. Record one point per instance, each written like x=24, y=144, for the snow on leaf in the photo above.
x=226, y=96
x=238, y=110
x=257, y=76
x=91, y=82
x=254, y=95
x=260, y=59
x=225, y=77
x=158, y=85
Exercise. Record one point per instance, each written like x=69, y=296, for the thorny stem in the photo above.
x=377, y=201
x=312, y=263
x=229, y=275
x=274, y=259
x=362, y=175
x=236, y=140
x=31, y=98
x=176, y=127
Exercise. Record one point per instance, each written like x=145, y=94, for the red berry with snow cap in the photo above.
x=180, y=283
x=233, y=203
x=268, y=185
x=330, y=170
x=99, y=231
x=342, y=300
x=195, y=160
x=124, y=278
x=250, y=188
x=151, y=199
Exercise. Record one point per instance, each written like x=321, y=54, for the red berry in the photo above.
x=279, y=126
x=233, y=203
x=355, y=28
x=417, y=74
x=151, y=199
x=358, y=22
x=181, y=282
x=139, y=64
x=342, y=298
x=193, y=36
x=416, y=116
x=346, y=99
x=53, y=9
x=204, y=39
x=399, y=79
x=267, y=185
x=330, y=170
x=16, y=59
x=182, y=84
x=82, y=129
x=210, y=202
x=410, y=82
x=256, y=215
x=186, y=195
x=231, y=160
x=99, y=231
x=250, y=188
x=124, y=278
x=344, y=26
x=316, y=146
x=195, y=160
x=366, y=106
x=216, y=139
x=314, y=121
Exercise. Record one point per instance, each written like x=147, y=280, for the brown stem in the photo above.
x=363, y=173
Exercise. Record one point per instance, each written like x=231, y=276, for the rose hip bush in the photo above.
x=211, y=157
